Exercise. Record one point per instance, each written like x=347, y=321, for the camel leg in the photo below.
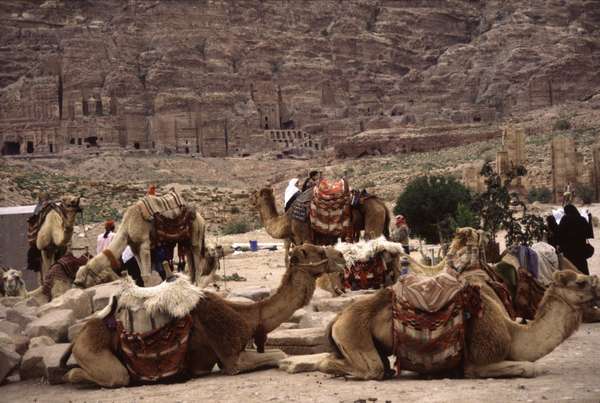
x=252, y=360
x=47, y=262
x=591, y=314
x=361, y=359
x=144, y=261
x=286, y=250
x=503, y=369
x=203, y=276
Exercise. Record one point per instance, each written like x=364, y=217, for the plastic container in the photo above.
x=253, y=246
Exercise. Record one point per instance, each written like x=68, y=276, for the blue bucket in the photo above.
x=253, y=246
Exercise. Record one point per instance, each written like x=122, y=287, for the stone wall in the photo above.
x=596, y=171
x=567, y=166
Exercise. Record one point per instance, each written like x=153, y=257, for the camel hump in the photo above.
x=151, y=205
x=428, y=294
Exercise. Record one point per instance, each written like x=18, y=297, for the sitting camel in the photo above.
x=219, y=329
x=135, y=231
x=12, y=283
x=494, y=345
x=56, y=232
x=371, y=215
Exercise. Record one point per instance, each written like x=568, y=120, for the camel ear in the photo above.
x=564, y=277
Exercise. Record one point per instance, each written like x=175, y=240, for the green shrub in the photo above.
x=236, y=226
x=585, y=193
x=541, y=194
x=562, y=124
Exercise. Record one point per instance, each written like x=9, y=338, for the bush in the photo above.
x=585, y=193
x=562, y=124
x=430, y=205
x=236, y=226
x=541, y=194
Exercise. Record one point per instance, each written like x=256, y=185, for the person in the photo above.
x=291, y=193
x=573, y=233
x=401, y=233
x=552, y=231
x=131, y=265
x=105, y=238
x=313, y=179
x=151, y=191
x=43, y=200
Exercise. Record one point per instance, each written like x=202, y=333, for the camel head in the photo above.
x=259, y=197
x=71, y=202
x=13, y=282
x=95, y=271
x=317, y=260
x=575, y=288
x=214, y=253
x=467, y=248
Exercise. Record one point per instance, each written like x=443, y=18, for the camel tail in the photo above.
x=65, y=357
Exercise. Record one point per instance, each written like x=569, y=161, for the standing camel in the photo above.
x=220, y=329
x=372, y=216
x=56, y=232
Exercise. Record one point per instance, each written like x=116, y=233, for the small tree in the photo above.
x=430, y=205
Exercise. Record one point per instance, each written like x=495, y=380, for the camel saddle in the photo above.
x=428, y=322
x=529, y=294
x=153, y=325
x=330, y=211
x=64, y=269
x=171, y=230
x=150, y=205
x=300, y=208
x=35, y=222
x=363, y=275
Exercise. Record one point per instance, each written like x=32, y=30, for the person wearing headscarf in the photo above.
x=573, y=232
x=551, y=231
x=131, y=265
x=313, y=179
x=291, y=193
x=105, y=238
x=151, y=191
x=43, y=200
x=401, y=233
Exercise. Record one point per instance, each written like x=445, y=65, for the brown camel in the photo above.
x=56, y=232
x=135, y=232
x=220, y=329
x=495, y=346
x=372, y=216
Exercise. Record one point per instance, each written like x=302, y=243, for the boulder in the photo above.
x=75, y=328
x=21, y=316
x=21, y=343
x=76, y=299
x=9, y=327
x=102, y=294
x=253, y=293
x=297, y=316
x=44, y=361
x=301, y=363
x=299, y=341
x=6, y=340
x=40, y=341
x=9, y=360
x=54, y=324
x=28, y=302
x=287, y=325
x=9, y=302
x=3, y=312
x=316, y=319
x=234, y=298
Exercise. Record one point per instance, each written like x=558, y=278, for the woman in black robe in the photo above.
x=573, y=232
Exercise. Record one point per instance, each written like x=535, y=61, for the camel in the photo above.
x=56, y=232
x=135, y=232
x=12, y=283
x=495, y=346
x=372, y=216
x=220, y=329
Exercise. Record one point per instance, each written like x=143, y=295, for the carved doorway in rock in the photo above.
x=11, y=148
x=29, y=147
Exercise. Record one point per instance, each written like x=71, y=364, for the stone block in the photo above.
x=301, y=363
x=299, y=341
x=54, y=324
x=9, y=302
x=243, y=300
x=336, y=304
x=6, y=341
x=102, y=294
x=316, y=319
x=28, y=302
x=21, y=316
x=40, y=341
x=21, y=343
x=287, y=325
x=297, y=316
x=3, y=312
x=76, y=299
x=253, y=293
x=9, y=360
x=9, y=327
x=44, y=361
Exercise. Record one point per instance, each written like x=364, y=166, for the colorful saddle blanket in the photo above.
x=173, y=230
x=150, y=205
x=528, y=296
x=428, y=322
x=64, y=269
x=301, y=207
x=365, y=275
x=330, y=211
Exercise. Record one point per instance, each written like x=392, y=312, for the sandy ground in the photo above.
x=568, y=373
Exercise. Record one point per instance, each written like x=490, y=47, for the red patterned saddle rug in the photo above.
x=150, y=205
x=173, y=230
x=528, y=296
x=64, y=269
x=330, y=211
x=157, y=354
x=365, y=275
x=429, y=341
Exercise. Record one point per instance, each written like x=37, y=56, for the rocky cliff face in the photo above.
x=212, y=75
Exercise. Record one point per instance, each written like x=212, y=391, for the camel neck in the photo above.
x=555, y=321
x=276, y=225
x=119, y=242
x=295, y=291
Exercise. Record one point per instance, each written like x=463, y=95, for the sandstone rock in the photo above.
x=27, y=302
x=299, y=341
x=102, y=294
x=40, y=341
x=21, y=343
x=253, y=293
x=76, y=299
x=287, y=325
x=6, y=341
x=54, y=324
x=336, y=304
x=44, y=361
x=75, y=329
x=21, y=316
x=9, y=360
x=301, y=363
x=9, y=302
x=316, y=319
x=243, y=300
x=297, y=316
x=9, y=327
x=3, y=312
